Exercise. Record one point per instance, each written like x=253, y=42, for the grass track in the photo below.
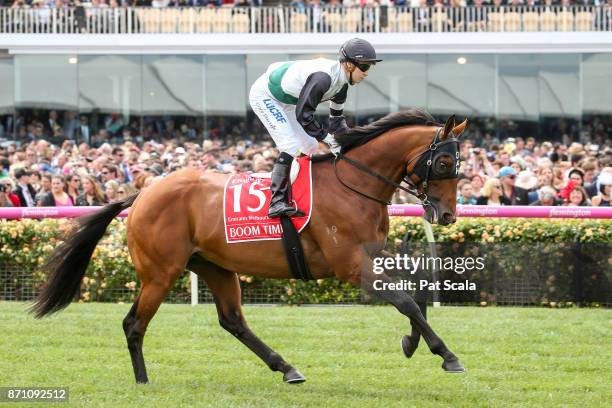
x=350, y=356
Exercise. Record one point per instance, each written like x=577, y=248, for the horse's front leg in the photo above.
x=360, y=273
x=410, y=343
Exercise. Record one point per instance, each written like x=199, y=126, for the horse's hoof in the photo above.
x=453, y=366
x=293, y=376
x=407, y=347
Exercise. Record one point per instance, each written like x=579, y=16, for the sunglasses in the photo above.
x=511, y=177
x=120, y=192
x=362, y=67
x=105, y=172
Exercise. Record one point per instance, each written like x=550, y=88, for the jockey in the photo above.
x=286, y=97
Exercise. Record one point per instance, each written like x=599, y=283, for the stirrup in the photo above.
x=288, y=210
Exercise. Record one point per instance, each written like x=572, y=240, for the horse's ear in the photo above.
x=459, y=129
x=448, y=127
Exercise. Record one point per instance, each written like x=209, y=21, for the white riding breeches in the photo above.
x=280, y=120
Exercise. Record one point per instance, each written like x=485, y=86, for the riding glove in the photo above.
x=334, y=147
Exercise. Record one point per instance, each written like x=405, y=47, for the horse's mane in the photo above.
x=360, y=135
x=363, y=134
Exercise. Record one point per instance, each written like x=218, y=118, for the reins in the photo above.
x=411, y=189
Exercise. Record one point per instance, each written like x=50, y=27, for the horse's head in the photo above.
x=436, y=172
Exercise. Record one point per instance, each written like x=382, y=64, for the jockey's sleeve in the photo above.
x=315, y=87
x=336, y=104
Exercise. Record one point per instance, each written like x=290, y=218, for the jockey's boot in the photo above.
x=281, y=189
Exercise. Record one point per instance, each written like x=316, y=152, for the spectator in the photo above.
x=110, y=189
x=576, y=175
x=7, y=184
x=73, y=185
x=466, y=193
x=477, y=184
x=545, y=177
x=82, y=132
x=492, y=194
x=92, y=195
x=547, y=196
x=109, y=172
x=513, y=194
x=527, y=181
x=24, y=190
x=7, y=198
x=35, y=180
x=124, y=191
x=119, y=161
x=4, y=198
x=57, y=197
x=605, y=191
x=578, y=197
x=45, y=187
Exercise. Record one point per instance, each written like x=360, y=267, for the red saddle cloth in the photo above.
x=246, y=199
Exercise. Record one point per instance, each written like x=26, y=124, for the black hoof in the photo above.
x=453, y=366
x=407, y=347
x=293, y=376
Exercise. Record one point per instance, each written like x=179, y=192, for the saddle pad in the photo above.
x=246, y=199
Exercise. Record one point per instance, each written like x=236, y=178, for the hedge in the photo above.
x=111, y=277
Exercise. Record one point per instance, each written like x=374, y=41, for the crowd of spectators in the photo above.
x=321, y=16
x=292, y=3
x=61, y=162
x=524, y=172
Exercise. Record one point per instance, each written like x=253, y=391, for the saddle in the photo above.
x=246, y=198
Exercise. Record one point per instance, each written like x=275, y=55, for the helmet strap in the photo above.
x=350, y=70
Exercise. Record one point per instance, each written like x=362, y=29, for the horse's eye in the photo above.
x=441, y=167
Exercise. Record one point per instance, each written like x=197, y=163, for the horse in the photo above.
x=176, y=224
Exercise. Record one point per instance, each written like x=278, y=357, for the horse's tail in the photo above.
x=68, y=263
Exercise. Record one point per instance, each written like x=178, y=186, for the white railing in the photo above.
x=190, y=20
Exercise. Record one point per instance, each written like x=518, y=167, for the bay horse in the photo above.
x=177, y=224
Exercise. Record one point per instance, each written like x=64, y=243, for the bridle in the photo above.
x=425, y=170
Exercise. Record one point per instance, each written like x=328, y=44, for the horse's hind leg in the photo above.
x=136, y=322
x=154, y=290
x=225, y=288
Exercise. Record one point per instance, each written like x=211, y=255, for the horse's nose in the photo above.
x=448, y=218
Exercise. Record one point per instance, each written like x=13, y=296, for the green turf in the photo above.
x=350, y=356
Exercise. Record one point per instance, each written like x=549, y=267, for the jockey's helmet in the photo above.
x=358, y=52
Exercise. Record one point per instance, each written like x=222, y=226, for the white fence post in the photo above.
x=194, y=288
x=434, y=273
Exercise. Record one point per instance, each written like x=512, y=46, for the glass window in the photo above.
x=460, y=84
x=559, y=85
x=7, y=87
x=398, y=82
x=518, y=79
x=46, y=81
x=597, y=83
x=173, y=84
x=110, y=83
x=226, y=88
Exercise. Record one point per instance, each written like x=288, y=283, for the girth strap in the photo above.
x=294, y=251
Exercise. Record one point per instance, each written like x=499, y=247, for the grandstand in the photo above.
x=538, y=71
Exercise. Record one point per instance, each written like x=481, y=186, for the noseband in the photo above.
x=428, y=167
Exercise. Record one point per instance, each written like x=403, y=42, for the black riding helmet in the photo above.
x=359, y=52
